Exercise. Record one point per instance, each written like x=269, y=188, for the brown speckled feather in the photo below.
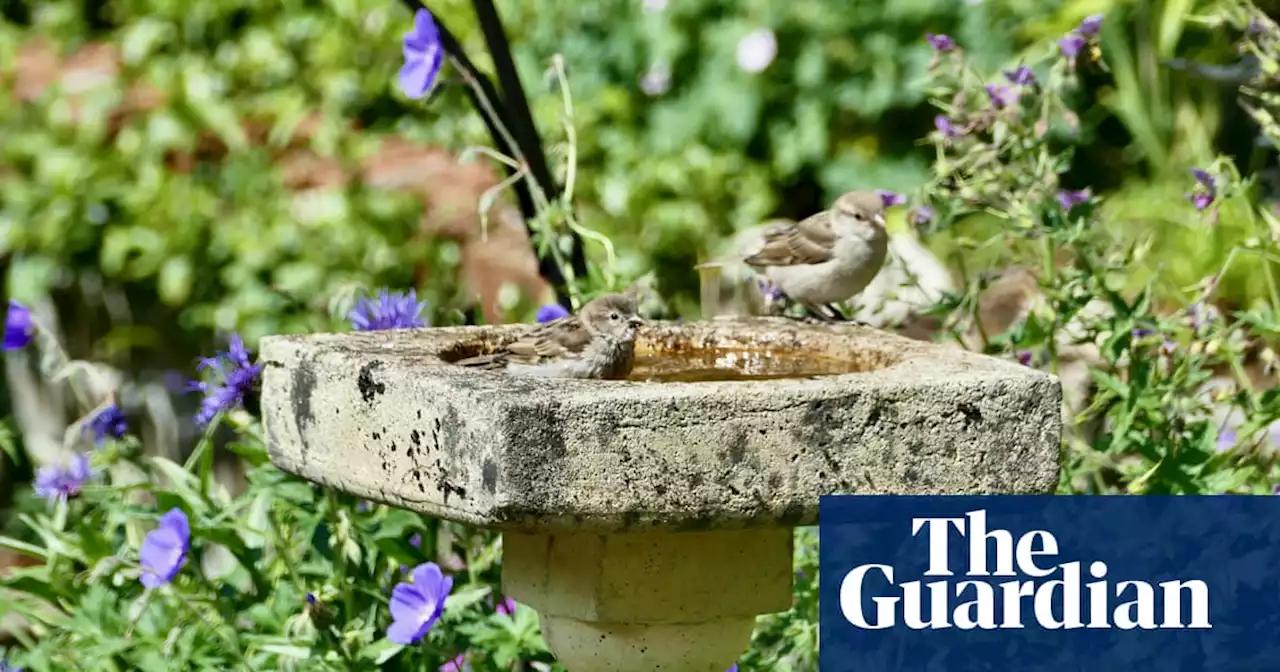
x=808, y=241
x=564, y=338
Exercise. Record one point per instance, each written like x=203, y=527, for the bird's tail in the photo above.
x=485, y=362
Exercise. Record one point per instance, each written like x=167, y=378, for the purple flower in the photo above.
x=1275, y=489
x=1071, y=45
x=458, y=664
x=890, y=198
x=6, y=667
x=415, y=607
x=1141, y=332
x=423, y=56
x=18, y=327
x=237, y=376
x=1001, y=96
x=1201, y=315
x=1203, y=196
x=1068, y=199
x=388, y=311
x=109, y=422
x=922, y=215
x=416, y=541
x=1168, y=348
x=733, y=669
x=506, y=607
x=769, y=290
x=551, y=311
x=946, y=127
x=311, y=598
x=1090, y=26
x=1226, y=440
x=164, y=550
x=62, y=481
x=940, y=43
x=1024, y=357
x=1022, y=76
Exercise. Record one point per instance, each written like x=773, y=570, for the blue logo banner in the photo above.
x=1049, y=583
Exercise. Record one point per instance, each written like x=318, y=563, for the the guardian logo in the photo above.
x=1061, y=602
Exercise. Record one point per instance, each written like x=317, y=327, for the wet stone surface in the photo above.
x=385, y=416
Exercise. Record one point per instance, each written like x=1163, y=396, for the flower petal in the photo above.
x=428, y=578
x=551, y=311
x=176, y=521
x=18, y=327
x=405, y=632
x=410, y=603
x=415, y=79
x=424, y=26
x=162, y=553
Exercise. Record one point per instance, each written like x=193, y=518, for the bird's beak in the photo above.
x=879, y=220
x=635, y=321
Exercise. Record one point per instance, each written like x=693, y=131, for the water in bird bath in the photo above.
x=746, y=349
x=716, y=351
x=696, y=365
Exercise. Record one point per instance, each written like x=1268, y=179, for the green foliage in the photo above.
x=240, y=601
x=668, y=175
x=1161, y=430
x=227, y=246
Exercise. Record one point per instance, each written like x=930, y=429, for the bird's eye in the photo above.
x=613, y=316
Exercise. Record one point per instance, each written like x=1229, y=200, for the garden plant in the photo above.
x=140, y=562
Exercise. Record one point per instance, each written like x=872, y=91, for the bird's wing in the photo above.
x=495, y=360
x=809, y=241
x=565, y=338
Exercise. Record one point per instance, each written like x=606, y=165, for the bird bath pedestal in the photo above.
x=650, y=523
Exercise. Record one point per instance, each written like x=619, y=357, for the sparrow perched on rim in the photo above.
x=828, y=257
x=597, y=343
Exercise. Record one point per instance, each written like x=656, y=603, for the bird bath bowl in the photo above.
x=648, y=521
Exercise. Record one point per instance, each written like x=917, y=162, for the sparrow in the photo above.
x=828, y=257
x=597, y=343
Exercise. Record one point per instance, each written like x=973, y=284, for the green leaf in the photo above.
x=394, y=523
x=1110, y=383
x=142, y=37
x=290, y=651
x=174, y=283
x=8, y=443
x=461, y=600
x=183, y=484
x=380, y=651
x=23, y=547
x=32, y=581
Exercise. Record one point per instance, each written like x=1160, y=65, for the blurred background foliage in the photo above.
x=158, y=204
x=174, y=170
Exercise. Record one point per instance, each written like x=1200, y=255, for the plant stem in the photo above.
x=233, y=640
x=496, y=119
x=1050, y=278
x=202, y=454
x=571, y=168
x=541, y=202
x=1272, y=290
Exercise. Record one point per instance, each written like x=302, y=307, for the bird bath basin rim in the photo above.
x=382, y=416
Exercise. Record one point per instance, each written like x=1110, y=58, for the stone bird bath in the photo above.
x=650, y=523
